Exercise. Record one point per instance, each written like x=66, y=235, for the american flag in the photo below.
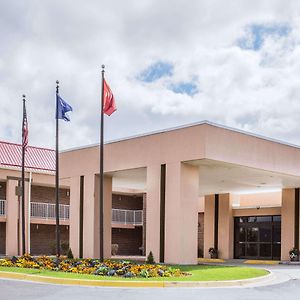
x=24, y=128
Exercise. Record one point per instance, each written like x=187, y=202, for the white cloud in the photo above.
x=47, y=40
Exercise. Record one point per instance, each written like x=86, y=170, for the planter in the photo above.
x=213, y=252
x=294, y=254
x=294, y=258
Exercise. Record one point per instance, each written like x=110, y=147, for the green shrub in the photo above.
x=150, y=258
x=70, y=254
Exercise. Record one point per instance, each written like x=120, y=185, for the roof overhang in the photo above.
x=215, y=177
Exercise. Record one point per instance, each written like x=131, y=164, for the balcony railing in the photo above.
x=47, y=211
x=2, y=208
x=126, y=216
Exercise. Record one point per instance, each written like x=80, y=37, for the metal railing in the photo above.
x=126, y=216
x=2, y=208
x=47, y=211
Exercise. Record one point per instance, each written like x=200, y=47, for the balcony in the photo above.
x=46, y=211
x=127, y=217
x=2, y=208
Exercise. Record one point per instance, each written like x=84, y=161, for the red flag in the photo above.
x=25, y=129
x=109, y=105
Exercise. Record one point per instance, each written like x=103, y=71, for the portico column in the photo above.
x=107, y=213
x=225, y=228
x=181, y=213
x=12, y=213
x=91, y=222
x=89, y=217
x=153, y=211
x=209, y=224
x=224, y=223
x=74, y=215
x=287, y=222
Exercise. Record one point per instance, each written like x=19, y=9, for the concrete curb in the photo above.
x=135, y=284
x=246, y=262
x=210, y=260
x=261, y=262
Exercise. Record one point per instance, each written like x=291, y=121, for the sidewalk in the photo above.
x=282, y=271
x=237, y=261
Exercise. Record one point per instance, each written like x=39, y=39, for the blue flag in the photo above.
x=62, y=108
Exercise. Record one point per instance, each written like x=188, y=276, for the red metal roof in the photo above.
x=35, y=158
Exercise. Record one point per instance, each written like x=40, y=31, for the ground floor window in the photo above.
x=257, y=237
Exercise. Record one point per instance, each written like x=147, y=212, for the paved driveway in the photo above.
x=286, y=286
x=11, y=290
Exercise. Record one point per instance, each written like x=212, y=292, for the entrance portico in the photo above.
x=176, y=169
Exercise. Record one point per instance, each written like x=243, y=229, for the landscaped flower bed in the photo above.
x=123, y=269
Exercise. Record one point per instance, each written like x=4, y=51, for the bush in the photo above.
x=150, y=258
x=70, y=254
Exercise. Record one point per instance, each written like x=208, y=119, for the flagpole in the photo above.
x=101, y=170
x=23, y=180
x=57, y=179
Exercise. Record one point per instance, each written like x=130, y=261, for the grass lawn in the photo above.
x=199, y=273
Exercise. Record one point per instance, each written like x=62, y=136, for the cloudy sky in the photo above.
x=169, y=63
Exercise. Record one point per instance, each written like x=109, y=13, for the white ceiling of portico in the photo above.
x=221, y=177
x=214, y=177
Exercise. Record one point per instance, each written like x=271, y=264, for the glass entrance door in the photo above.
x=257, y=237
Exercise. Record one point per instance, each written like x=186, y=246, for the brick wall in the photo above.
x=2, y=190
x=2, y=237
x=129, y=240
x=200, y=234
x=47, y=194
x=127, y=202
x=42, y=238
